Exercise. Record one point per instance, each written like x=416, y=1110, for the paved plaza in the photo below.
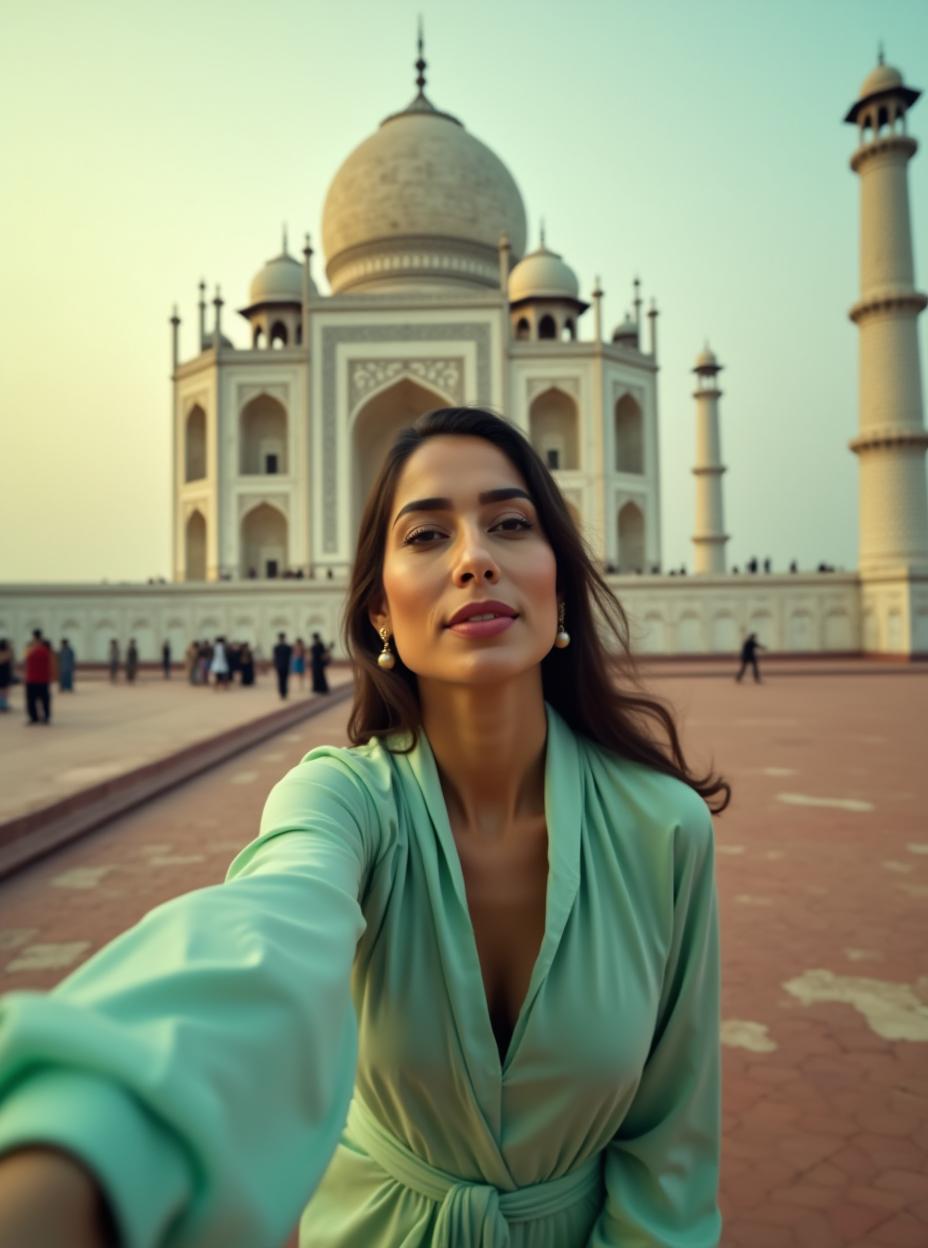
x=823, y=881
x=104, y=730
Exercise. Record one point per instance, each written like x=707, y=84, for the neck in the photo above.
x=489, y=745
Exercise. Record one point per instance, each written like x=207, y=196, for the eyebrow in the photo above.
x=445, y=504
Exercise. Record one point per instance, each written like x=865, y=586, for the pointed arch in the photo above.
x=263, y=437
x=554, y=427
x=629, y=436
x=631, y=538
x=547, y=326
x=195, y=444
x=278, y=334
x=264, y=542
x=376, y=424
x=195, y=546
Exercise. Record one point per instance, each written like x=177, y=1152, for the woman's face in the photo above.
x=448, y=545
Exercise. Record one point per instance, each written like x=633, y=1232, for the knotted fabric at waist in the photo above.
x=471, y=1215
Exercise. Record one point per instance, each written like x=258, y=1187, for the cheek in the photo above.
x=408, y=588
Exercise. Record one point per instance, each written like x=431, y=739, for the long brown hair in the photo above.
x=596, y=688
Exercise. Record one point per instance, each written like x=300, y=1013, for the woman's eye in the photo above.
x=419, y=536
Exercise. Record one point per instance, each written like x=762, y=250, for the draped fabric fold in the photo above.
x=471, y=1215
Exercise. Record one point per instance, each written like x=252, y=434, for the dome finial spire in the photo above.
x=879, y=54
x=542, y=231
x=420, y=62
x=284, y=232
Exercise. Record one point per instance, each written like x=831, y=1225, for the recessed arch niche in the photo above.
x=631, y=538
x=263, y=437
x=553, y=427
x=195, y=547
x=264, y=542
x=195, y=444
x=629, y=436
x=376, y=425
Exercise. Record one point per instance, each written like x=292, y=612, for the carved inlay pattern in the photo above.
x=446, y=375
x=335, y=336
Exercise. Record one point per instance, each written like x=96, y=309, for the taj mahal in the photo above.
x=437, y=298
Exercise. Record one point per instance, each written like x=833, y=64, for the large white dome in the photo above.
x=420, y=203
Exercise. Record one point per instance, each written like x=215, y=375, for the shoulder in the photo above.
x=655, y=810
x=358, y=780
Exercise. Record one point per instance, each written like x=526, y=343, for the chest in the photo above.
x=506, y=888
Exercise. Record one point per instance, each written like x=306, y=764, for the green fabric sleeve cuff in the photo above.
x=141, y=1172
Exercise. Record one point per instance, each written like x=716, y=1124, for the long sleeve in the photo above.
x=202, y=1063
x=662, y=1165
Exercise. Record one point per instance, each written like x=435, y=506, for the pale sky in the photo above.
x=696, y=142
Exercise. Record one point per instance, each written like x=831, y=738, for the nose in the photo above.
x=474, y=562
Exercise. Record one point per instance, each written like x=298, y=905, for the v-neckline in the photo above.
x=562, y=816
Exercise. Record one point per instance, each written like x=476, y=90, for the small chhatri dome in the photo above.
x=420, y=203
x=280, y=281
x=706, y=359
x=543, y=275
x=627, y=331
x=883, y=78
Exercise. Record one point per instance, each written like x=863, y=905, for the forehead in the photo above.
x=454, y=466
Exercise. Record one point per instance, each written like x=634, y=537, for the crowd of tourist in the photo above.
x=218, y=664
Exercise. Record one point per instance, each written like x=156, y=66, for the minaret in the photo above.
x=891, y=440
x=710, y=536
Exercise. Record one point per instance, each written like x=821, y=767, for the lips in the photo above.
x=490, y=607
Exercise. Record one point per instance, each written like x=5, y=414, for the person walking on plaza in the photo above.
x=282, y=656
x=166, y=660
x=190, y=662
x=247, y=663
x=298, y=662
x=319, y=656
x=749, y=655
x=67, y=661
x=219, y=664
x=38, y=664
x=204, y=655
x=132, y=661
x=114, y=661
x=6, y=674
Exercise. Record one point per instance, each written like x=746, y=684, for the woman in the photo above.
x=319, y=656
x=298, y=662
x=114, y=660
x=247, y=665
x=486, y=934
x=219, y=664
x=67, y=661
x=132, y=661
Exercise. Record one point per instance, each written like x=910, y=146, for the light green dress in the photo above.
x=317, y=1027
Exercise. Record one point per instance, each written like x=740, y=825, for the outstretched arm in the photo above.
x=201, y=1065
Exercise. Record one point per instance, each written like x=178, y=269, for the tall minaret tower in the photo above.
x=891, y=441
x=710, y=536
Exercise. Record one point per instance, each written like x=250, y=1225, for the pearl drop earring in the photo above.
x=386, y=658
x=563, y=637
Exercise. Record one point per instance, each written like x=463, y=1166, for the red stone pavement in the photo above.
x=823, y=882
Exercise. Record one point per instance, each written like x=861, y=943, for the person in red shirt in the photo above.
x=38, y=663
